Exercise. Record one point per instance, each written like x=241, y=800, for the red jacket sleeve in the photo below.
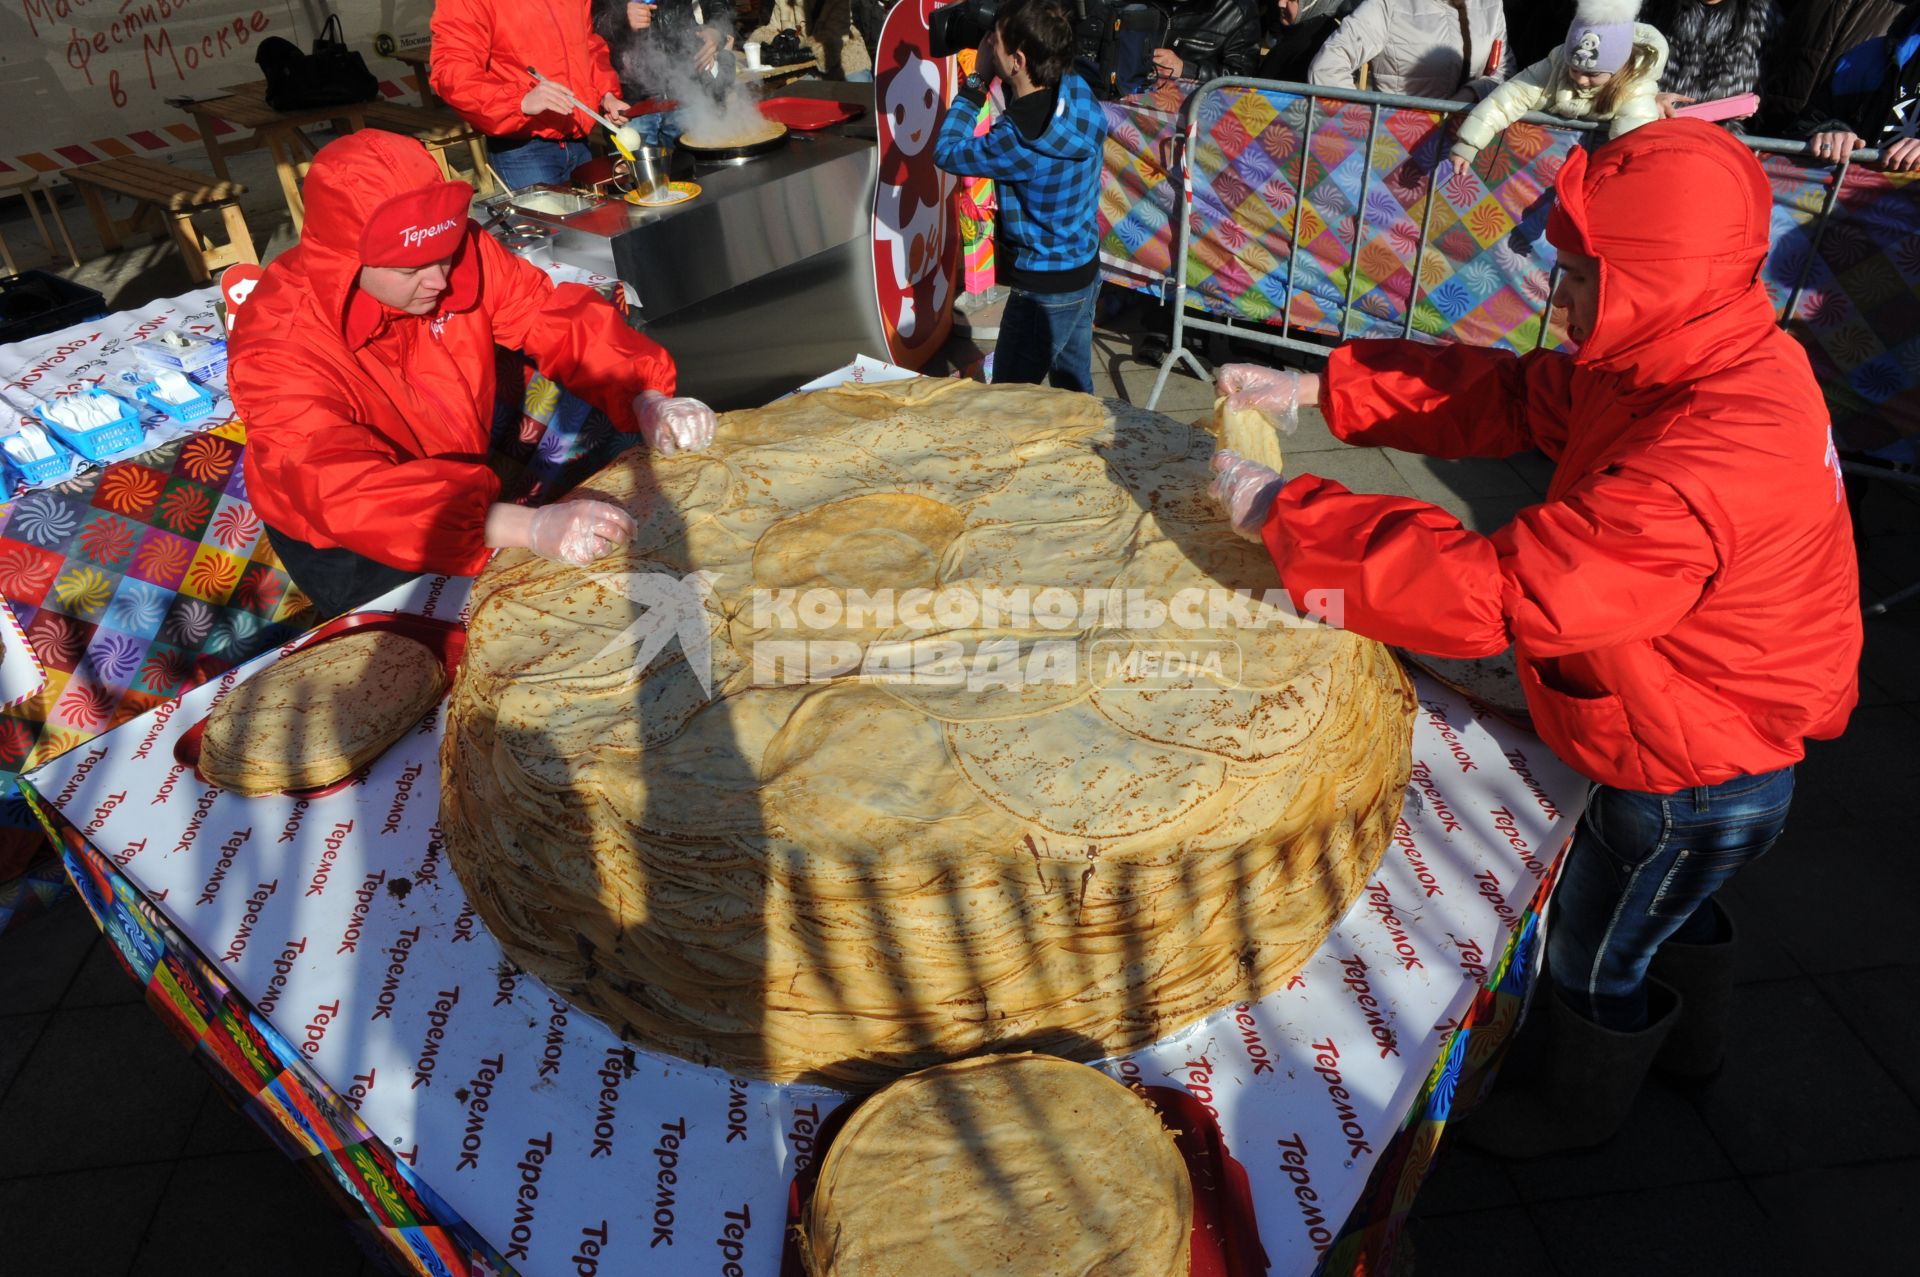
x=574, y=335
x=1622, y=558
x=605, y=79
x=423, y=514
x=1447, y=401
x=462, y=70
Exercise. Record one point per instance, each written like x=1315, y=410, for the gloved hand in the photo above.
x=673, y=425
x=578, y=532
x=1245, y=490
x=1273, y=391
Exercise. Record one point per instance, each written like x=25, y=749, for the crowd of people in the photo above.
x=1839, y=74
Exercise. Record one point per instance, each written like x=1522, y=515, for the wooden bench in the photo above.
x=439, y=131
x=28, y=184
x=174, y=194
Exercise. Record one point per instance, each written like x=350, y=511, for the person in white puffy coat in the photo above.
x=1608, y=69
x=1453, y=50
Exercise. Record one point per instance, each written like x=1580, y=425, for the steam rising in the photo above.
x=711, y=105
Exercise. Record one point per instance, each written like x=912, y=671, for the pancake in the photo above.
x=731, y=134
x=1001, y=1166
x=811, y=837
x=316, y=716
x=1249, y=432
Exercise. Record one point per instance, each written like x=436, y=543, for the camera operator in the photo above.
x=1044, y=154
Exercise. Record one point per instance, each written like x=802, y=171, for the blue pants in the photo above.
x=1640, y=871
x=1047, y=337
x=660, y=128
x=539, y=160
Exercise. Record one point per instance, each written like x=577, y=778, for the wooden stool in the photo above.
x=175, y=194
x=27, y=184
x=439, y=132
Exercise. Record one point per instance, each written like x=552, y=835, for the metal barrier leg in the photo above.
x=1174, y=356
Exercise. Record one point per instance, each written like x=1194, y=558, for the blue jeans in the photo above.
x=660, y=128
x=1047, y=337
x=1640, y=872
x=537, y=161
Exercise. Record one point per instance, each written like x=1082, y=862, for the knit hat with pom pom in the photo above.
x=1601, y=37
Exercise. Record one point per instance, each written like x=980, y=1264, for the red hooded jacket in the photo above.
x=368, y=428
x=482, y=49
x=1684, y=607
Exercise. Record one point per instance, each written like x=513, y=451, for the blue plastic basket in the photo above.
x=100, y=442
x=33, y=472
x=192, y=410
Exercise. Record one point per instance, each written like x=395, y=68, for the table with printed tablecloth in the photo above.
x=125, y=586
x=320, y=954
x=130, y=585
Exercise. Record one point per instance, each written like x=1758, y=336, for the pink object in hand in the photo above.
x=1733, y=108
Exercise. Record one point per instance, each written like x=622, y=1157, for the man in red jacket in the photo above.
x=363, y=365
x=481, y=52
x=1683, y=607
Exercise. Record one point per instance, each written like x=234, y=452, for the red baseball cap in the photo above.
x=418, y=227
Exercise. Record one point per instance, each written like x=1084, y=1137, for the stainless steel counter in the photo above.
x=762, y=281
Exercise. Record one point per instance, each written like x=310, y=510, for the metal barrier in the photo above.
x=1192, y=303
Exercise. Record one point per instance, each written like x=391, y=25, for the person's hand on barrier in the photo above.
x=1277, y=392
x=674, y=425
x=1835, y=145
x=544, y=97
x=1902, y=156
x=1244, y=490
x=1668, y=101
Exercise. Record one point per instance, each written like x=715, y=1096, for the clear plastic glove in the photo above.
x=1245, y=490
x=1275, y=392
x=674, y=425
x=578, y=532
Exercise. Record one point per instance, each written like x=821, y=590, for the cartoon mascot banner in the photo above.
x=916, y=229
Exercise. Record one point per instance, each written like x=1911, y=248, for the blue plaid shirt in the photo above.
x=1048, y=187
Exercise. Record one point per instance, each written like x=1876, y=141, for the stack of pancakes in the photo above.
x=847, y=877
x=316, y=716
x=1002, y=1164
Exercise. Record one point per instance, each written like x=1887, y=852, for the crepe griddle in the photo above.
x=734, y=154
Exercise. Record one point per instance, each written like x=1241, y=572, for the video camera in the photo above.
x=961, y=26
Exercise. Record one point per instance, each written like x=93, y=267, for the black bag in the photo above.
x=332, y=75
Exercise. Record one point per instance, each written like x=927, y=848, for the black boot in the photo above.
x=1589, y=1078
x=1702, y=974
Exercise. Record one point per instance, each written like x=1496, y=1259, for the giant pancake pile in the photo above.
x=1036, y=836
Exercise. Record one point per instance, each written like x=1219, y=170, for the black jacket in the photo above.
x=1213, y=37
x=1816, y=33
x=1294, y=46
x=672, y=20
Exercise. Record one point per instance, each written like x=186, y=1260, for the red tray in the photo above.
x=445, y=639
x=1226, y=1240
x=808, y=114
